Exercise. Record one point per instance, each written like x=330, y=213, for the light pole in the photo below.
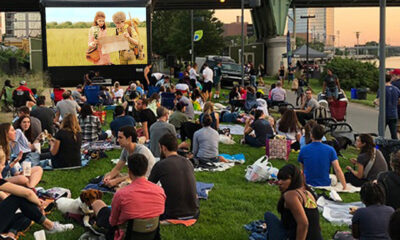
x=308, y=21
x=382, y=65
x=192, y=35
x=242, y=47
x=358, y=42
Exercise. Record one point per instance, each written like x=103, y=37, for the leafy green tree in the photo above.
x=171, y=33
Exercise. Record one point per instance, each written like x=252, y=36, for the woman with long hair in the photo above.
x=97, y=31
x=370, y=162
x=262, y=129
x=209, y=109
x=90, y=124
x=65, y=147
x=297, y=206
x=9, y=144
x=289, y=127
x=24, y=123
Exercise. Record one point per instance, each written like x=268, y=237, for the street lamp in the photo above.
x=308, y=21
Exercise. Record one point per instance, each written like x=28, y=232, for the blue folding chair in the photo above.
x=152, y=89
x=92, y=94
x=167, y=100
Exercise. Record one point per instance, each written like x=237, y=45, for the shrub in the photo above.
x=353, y=73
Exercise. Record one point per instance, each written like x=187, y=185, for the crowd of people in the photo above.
x=148, y=118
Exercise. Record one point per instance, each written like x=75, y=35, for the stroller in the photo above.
x=338, y=110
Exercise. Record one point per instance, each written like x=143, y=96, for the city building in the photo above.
x=2, y=24
x=321, y=27
x=21, y=24
x=234, y=28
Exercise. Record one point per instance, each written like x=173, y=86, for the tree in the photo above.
x=319, y=46
x=171, y=33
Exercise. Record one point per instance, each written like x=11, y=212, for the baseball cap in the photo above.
x=180, y=105
x=22, y=83
x=395, y=72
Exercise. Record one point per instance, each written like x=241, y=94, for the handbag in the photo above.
x=93, y=54
x=278, y=148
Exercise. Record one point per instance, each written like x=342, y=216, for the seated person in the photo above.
x=394, y=230
x=205, y=142
x=141, y=199
x=164, y=82
x=189, y=105
x=127, y=139
x=307, y=109
x=261, y=103
x=178, y=117
x=105, y=97
x=289, y=127
x=370, y=162
x=297, y=206
x=77, y=95
x=182, y=86
x=209, y=109
x=154, y=102
x=231, y=117
x=36, y=125
x=145, y=116
x=306, y=138
x=316, y=160
x=371, y=222
x=390, y=181
x=66, y=106
x=278, y=94
x=176, y=175
x=158, y=129
x=8, y=136
x=65, y=147
x=251, y=101
x=90, y=125
x=262, y=129
x=45, y=115
x=120, y=120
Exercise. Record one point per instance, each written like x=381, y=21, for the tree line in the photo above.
x=69, y=24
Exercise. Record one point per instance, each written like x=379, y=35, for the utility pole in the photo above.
x=358, y=42
x=308, y=26
x=192, y=35
x=382, y=70
x=242, y=47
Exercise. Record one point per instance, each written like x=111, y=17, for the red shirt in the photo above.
x=23, y=88
x=140, y=199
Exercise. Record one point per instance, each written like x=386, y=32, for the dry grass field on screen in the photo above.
x=67, y=46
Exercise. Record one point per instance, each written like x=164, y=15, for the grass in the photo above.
x=232, y=203
x=67, y=46
x=317, y=88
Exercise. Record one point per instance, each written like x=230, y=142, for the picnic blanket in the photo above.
x=237, y=158
x=234, y=129
x=214, y=167
x=337, y=213
x=100, y=145
x=339, y=188
x=203, y=189
x=46, y=164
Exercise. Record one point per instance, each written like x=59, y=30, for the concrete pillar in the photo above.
x=275, y=48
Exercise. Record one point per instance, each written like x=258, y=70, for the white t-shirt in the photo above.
x=193, y=74
x=208, y=74
x=182, y=87
x=119, y=93
x=157, y=75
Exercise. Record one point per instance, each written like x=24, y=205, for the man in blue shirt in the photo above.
x=392, y=101
x=316, y=160
x=121, y=120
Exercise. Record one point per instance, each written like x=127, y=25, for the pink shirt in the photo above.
x=140, y=199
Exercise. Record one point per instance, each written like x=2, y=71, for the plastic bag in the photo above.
x=261, y=170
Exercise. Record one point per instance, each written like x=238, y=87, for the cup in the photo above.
x=37, y=147
x=26, y=167
x=39, y=235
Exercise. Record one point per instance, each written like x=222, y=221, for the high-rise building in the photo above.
x=2, y=24
x=22, y=24
x=321, y=27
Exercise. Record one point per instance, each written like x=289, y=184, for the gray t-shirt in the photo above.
x=189, y=107
x=380, y=164
x=157, y=130
x=76, y=96
x=373, y=222
x=205, y=143
x=67, y=106
x=313, y=104
x=142, y=150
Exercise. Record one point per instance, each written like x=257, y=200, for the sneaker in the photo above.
x=58, y=227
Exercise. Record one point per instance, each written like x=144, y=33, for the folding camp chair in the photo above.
x=167, y=100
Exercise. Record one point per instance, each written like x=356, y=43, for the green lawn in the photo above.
x=317, y=88
x=232, y=203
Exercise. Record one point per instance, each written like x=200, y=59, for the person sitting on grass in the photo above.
x=141, y=199
x=120, y=120
x=370, y=162
x=127, y=139
x=390, y=181
x=36, y=125
x=289, y=127
x=394, y=230
x=14, y=197
x=159, y=128
x=316, y=160
x=372, y=222
x=306, y=137
x=262, y=129
x=90, y=125
x=145, y=116
x=205, y=142
x=66, y=106
x=176, y=175
x=178, y=117
x=209, y=109
x=8, y=137
x=297, y=206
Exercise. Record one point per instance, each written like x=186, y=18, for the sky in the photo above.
x=62, y=14
x=347, y=22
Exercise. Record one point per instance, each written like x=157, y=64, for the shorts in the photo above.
x=217, y=85
x=332, y=93
x=207, y=86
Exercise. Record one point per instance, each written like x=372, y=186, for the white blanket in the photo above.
x=339, y=188
x=221, y=166
x=235, y=129
x=337, y=213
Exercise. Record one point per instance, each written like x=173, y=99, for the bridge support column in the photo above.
x=275, y=48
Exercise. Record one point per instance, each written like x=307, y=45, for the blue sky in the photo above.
x=74, y=14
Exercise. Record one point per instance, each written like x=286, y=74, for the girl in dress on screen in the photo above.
x=97, y=31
